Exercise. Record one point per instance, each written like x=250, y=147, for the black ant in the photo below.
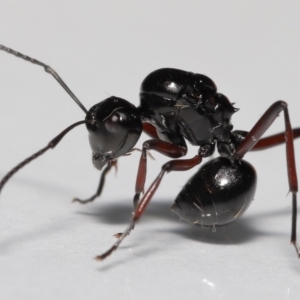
x=176, y=106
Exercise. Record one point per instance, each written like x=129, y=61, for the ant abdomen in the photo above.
x=217, y=194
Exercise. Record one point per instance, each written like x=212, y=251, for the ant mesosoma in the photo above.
x=176, y=106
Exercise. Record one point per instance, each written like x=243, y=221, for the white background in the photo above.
x=47, y=244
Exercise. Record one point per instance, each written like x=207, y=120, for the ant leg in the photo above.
x=47, y=69
x=50, y=145
x=173, y=165
x=166, y=148
x=101, y=184
x=274, y=140
x=251, y=140
x=150, y=130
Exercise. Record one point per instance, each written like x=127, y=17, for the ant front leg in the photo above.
x=252, y=138
x=112, y=163
x=166, y=148
x=173, y=165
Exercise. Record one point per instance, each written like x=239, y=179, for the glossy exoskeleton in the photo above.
x=176, y=106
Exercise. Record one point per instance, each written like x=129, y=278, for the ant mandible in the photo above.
x=175, y=106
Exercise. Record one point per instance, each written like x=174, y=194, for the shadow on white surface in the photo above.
x=241, y=231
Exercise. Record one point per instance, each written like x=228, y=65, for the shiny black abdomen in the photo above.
x=218, y=193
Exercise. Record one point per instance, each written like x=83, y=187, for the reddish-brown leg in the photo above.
x=274, y=140
x=173, y=165
x=252, y=139
x=166, y=148
x=150, y=130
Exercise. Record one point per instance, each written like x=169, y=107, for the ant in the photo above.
x=176, y=106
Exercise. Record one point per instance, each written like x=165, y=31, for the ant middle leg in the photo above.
x=174, y=148
x=173, y=165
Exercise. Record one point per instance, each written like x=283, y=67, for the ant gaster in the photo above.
x=176, y=106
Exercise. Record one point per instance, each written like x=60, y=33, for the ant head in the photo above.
x=115, y=126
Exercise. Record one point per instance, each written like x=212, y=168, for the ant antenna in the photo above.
x=50, y=145
x=47, y=69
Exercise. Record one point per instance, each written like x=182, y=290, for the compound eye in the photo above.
x=112, y=122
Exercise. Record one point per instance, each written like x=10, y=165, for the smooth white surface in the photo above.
x=250, y=49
